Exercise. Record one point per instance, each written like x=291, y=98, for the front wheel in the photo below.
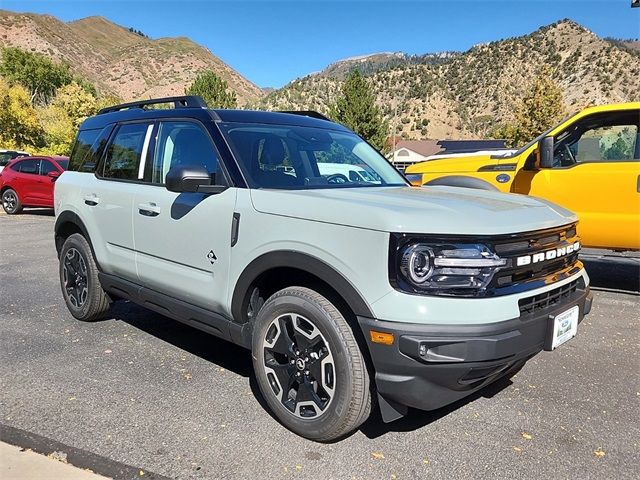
x=308, y=365
x=11, y=202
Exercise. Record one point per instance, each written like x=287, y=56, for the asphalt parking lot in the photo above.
x=145, y=396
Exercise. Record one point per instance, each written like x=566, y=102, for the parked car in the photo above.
x=29, y=182
x=340, y=289
x=589, y=163
x=345, y=172
x=7, y=155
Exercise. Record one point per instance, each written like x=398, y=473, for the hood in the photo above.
x=466, y=164
x=428, y=210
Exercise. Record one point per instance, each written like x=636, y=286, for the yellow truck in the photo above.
x=589, y=163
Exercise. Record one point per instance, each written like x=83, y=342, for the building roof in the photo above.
x=423, y=147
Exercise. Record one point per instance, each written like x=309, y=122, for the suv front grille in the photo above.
x=514, y=277
x=548, y=299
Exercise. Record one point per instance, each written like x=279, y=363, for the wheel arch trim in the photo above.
x=463, y=181
x=303, y=262
x=68, y=217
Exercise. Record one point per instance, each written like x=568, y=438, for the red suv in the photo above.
x=28, y=182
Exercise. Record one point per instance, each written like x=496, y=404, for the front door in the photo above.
x=596, y=174
x=183, y=240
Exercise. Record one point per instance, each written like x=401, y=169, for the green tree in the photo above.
x=19, y=125
x=62, y=117
x=540, y=108
x=214, y=90
x=356, y=109
x=35, y=72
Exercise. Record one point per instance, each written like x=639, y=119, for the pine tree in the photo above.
x=214, y=90
x=356, y=109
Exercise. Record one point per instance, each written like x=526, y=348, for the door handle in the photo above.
x=148, y=209
x=91, y=200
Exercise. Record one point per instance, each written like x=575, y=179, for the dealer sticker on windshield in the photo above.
x=565, y=326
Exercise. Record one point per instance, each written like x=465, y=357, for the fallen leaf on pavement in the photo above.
x=599, y=453
x=526, y=436
x=377, y=455
x=517, y=449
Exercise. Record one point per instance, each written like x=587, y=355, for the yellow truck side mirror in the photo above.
x=545, y=152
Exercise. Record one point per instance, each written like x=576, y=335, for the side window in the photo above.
x=46, y=166
x=122, y=159
x=353, y=176
x=82, y=150
x=602, y=138
x=614, y=143
x=28, y=166
x=181, y=143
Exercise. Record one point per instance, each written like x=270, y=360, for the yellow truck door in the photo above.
x=596, y=173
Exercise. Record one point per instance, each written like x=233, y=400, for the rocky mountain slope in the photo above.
x=117, y=60
x=466, y=95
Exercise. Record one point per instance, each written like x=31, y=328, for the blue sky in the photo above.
x=271, y=43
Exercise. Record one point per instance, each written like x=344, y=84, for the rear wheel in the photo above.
x=308, y=365
x=81, y=288
x=11, y=202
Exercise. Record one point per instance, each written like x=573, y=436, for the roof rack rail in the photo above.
x=307, y=113
x=186, y=101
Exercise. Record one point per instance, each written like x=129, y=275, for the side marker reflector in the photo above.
x=381, y=337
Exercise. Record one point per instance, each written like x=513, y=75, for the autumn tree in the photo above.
x=539, y=109
x=19, y=126
x=71, y=105
x=35, y=72
x=356, y=108
x=214, y=90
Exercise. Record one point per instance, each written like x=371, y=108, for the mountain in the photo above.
x=376, y=62
x=118, y=60
x=465, y=95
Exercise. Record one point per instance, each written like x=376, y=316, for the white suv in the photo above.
x=344, y=289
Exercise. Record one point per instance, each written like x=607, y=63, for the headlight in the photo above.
x=441, y=268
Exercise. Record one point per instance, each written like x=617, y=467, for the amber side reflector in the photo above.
x=381, y=337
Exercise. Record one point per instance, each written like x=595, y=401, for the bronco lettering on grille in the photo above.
x=548, y=255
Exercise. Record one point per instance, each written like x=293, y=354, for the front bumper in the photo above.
x=430, y=366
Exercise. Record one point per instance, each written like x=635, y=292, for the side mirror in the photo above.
x=191, y=179
x=53, y=174
x=545, y=147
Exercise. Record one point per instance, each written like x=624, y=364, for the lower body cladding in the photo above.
x=430, y=366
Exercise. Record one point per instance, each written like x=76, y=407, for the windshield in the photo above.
x=294, y=157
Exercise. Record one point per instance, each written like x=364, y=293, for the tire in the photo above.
x=11, y=202
x=81, y=289
x=302, y=346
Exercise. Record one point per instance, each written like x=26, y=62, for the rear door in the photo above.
x=26, y=181
x=183, y=240
x=108, y=197
x=596, y=174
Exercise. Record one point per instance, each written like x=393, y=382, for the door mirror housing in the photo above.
x=191, y=179
x=54, y=174
x=545, y=149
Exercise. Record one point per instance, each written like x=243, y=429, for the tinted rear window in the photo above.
x=87, y=150
x=28, y=166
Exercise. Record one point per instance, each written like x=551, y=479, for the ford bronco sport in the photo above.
x=345, y=291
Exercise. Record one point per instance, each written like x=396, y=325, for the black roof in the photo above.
x=204, y=115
